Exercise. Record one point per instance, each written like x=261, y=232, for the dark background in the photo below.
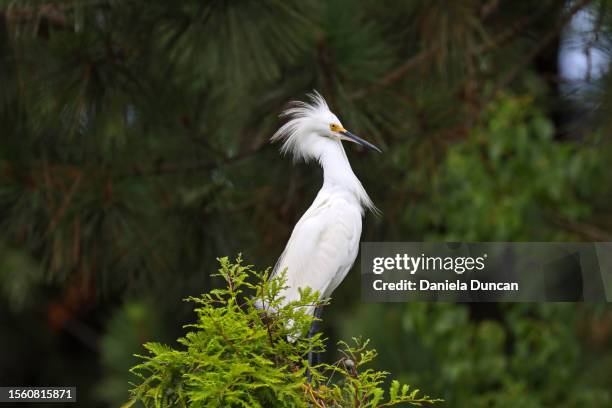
x=135, y=151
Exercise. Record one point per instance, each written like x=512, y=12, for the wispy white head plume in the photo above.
x=306, y=122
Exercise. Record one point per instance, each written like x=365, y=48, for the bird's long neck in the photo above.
x=336, y=167
x=337, y=172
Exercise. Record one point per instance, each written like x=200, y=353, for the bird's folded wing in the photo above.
x=321, y=249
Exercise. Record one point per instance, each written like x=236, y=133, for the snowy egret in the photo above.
x=325, y=241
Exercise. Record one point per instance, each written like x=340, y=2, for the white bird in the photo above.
x=325, y=241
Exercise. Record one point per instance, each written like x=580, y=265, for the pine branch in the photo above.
x=585, y=230
x=182, y=167
x=397, y=74
x=423, y=56
x=52, y=12
x=539, y=47
x=155, y=168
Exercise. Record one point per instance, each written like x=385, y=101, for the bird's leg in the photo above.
x=314, y=356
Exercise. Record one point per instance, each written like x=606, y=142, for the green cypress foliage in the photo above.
x=238, y=355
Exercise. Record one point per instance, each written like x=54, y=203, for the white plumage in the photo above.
x=325, y=241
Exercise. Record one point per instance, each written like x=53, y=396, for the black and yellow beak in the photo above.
x=346, y=135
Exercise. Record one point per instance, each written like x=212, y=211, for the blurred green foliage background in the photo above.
x=135, y=151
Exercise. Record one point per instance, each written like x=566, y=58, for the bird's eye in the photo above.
x=333, y=127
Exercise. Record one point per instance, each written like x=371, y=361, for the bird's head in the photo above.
x=313, y=128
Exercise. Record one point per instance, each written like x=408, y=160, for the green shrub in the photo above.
x=238, y=355
x=528, y=355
